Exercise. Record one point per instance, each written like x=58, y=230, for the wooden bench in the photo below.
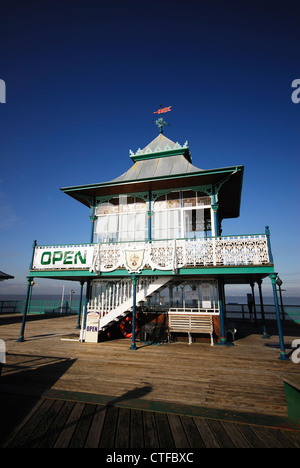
x=191, y=323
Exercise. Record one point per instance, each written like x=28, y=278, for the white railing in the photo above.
x=117, y=300
x=168, y=255
x=180, y=253
x=116, y=294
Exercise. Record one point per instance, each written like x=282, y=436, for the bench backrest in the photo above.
x=200, y=323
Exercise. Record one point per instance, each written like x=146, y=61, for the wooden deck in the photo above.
x=57, y=393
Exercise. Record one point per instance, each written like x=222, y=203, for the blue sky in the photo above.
x=82, y=81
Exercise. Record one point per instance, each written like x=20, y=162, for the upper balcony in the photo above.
x=173, y=255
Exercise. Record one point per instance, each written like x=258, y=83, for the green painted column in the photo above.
x=80, y=304
x=223, y=339
x=30, y=284
x=282, y=356
x=262, y=310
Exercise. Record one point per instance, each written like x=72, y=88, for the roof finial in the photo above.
x=160, y=121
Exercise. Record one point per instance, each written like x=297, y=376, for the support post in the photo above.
x=30, y=284
x=262, y=311
x=254, y=304
x=282, y=356
x=80, y=305
x=87, y=298
x=133, y=344
x=223, y=340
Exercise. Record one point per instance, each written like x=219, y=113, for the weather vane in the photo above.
x=160, y=121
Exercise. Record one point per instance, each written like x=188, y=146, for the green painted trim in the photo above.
x=293, y=401
x=162, y=154
x=73, y=274
x=157, y=406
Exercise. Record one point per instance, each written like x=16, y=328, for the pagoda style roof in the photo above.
x=163, y=165
x=161, y=157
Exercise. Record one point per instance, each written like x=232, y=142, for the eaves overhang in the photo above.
x=228, y=179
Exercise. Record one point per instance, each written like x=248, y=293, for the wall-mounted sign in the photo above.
x=70, y=257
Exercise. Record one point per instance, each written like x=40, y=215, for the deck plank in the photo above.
x=150, y=431
x=65, y=436
x=165, y=437
x=110, y=427
x=179, y=436
x=96, y=428
x=123, y=429
x=23, y=437
x=136, y=429
x=82, y=428
x=206, y=433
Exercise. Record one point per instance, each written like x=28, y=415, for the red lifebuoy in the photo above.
x=126, y=326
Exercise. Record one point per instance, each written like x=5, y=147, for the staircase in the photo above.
x=119, y=300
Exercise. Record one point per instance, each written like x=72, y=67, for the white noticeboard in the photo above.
x=73, y=257
x=92, y=327
x=206, y=296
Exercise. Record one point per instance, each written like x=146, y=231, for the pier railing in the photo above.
x=233, y=311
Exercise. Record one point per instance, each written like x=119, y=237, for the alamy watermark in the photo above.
x=2, y=92
x=2, y=352
x=296, y=353
x=296, y=94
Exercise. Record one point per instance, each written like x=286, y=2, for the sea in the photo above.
x=230, y=299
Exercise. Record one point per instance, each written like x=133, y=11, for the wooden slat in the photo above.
x=136, y=429
x=122, y=431
x=165, y=437
x=179, y=436
x=82, y=428
x=150, y=431
x=57, y=426
x=192, y=433
x=65, y=436
x=41, y=429
x=190, y=323
x=23, y=436
x=87, y=425
x=206, y=433
x=96, y=428
x=109, y=429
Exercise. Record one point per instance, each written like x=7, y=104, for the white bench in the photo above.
x=191, y=323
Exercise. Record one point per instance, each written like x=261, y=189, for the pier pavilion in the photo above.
x=157, y=255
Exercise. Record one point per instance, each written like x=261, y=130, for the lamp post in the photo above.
x=30, y=284
x=279, y=284
x=71, y=294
